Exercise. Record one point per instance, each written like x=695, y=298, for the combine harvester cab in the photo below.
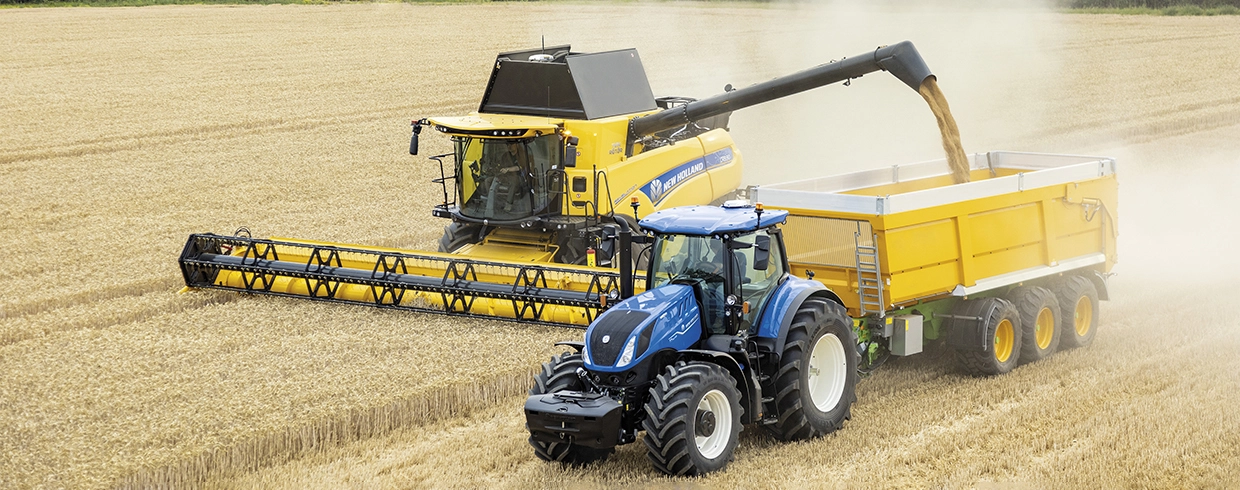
x=1006, y=268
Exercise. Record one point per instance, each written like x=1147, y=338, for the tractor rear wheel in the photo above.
x=1039, y=319
x=693, y=419
x=457, y=235
x=560, y=374
x=815, y=386
x=1000, y=334
x=1078, y=300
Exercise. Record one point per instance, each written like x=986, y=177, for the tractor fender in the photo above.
x=751, y=396
x=786, y=300
x=577, y=345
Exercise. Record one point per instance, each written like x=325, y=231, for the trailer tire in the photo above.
x=815, y=385
x=693, y=419
x=558, y=375
x=1000, y=333
x=1040, y=322
x=457, y=235
x=1078, y=302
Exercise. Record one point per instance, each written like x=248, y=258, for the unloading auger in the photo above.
x=536, y=192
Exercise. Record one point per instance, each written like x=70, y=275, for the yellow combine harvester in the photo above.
x=566, y=151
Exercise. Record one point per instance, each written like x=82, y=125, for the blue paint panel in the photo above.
x=780, y=304
x=664, y=184
x=677, y=323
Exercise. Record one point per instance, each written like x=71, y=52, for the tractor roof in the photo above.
x=710, y=220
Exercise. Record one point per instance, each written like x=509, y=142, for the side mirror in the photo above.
x=413, y=140
x=762, y=252
x=570, y=152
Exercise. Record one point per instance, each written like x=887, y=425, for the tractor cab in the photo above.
x=712, y=270
x=732, y=256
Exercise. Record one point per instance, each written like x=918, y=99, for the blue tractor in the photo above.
x=722, y=337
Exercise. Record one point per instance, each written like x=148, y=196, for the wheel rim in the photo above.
x=1004, y=339
x=712, y=445
x=828, y=372
x=1044, y=328
x=1084, y=317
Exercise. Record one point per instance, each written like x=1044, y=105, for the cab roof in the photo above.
x=710, y=220
x=496, y=125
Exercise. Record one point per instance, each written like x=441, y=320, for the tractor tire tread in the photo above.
x=668, y=413
x=791, y=421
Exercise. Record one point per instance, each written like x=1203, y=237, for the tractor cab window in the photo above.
x=696, y=261
x=505, y=179
x=757, y=284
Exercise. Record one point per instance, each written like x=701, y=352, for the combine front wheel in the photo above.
x=693, y=419
x=457, y=235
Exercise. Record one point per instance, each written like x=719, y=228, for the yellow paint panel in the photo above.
x=919, y=283
x=1005, y=228
x=916, y=246
x=1080, y=244
x=1005, y=261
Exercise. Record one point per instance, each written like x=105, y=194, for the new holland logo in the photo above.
x=663, y=185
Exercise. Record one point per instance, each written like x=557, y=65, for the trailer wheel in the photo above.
x=693, y=419
x=1039, y=319
x=815, y=386
x=558, y=375
x=1000, y=334
x=457, y=235
x=1078, y=300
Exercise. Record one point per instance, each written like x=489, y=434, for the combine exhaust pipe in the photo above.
x=901, y=59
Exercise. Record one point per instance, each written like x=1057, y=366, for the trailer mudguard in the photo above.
x=772, y=328
x=1100, y=283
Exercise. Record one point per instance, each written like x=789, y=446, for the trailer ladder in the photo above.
x=869, y=277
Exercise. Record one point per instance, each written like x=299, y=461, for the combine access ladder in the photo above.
x=869, y=277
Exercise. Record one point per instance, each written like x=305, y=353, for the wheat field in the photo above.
x=127, y=129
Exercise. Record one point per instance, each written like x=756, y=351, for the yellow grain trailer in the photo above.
x=1005, y=268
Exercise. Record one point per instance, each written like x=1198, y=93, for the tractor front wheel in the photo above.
x=560, y=374
x=693, y=419
x=815, y=386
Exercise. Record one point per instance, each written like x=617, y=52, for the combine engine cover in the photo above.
x=555, y=82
